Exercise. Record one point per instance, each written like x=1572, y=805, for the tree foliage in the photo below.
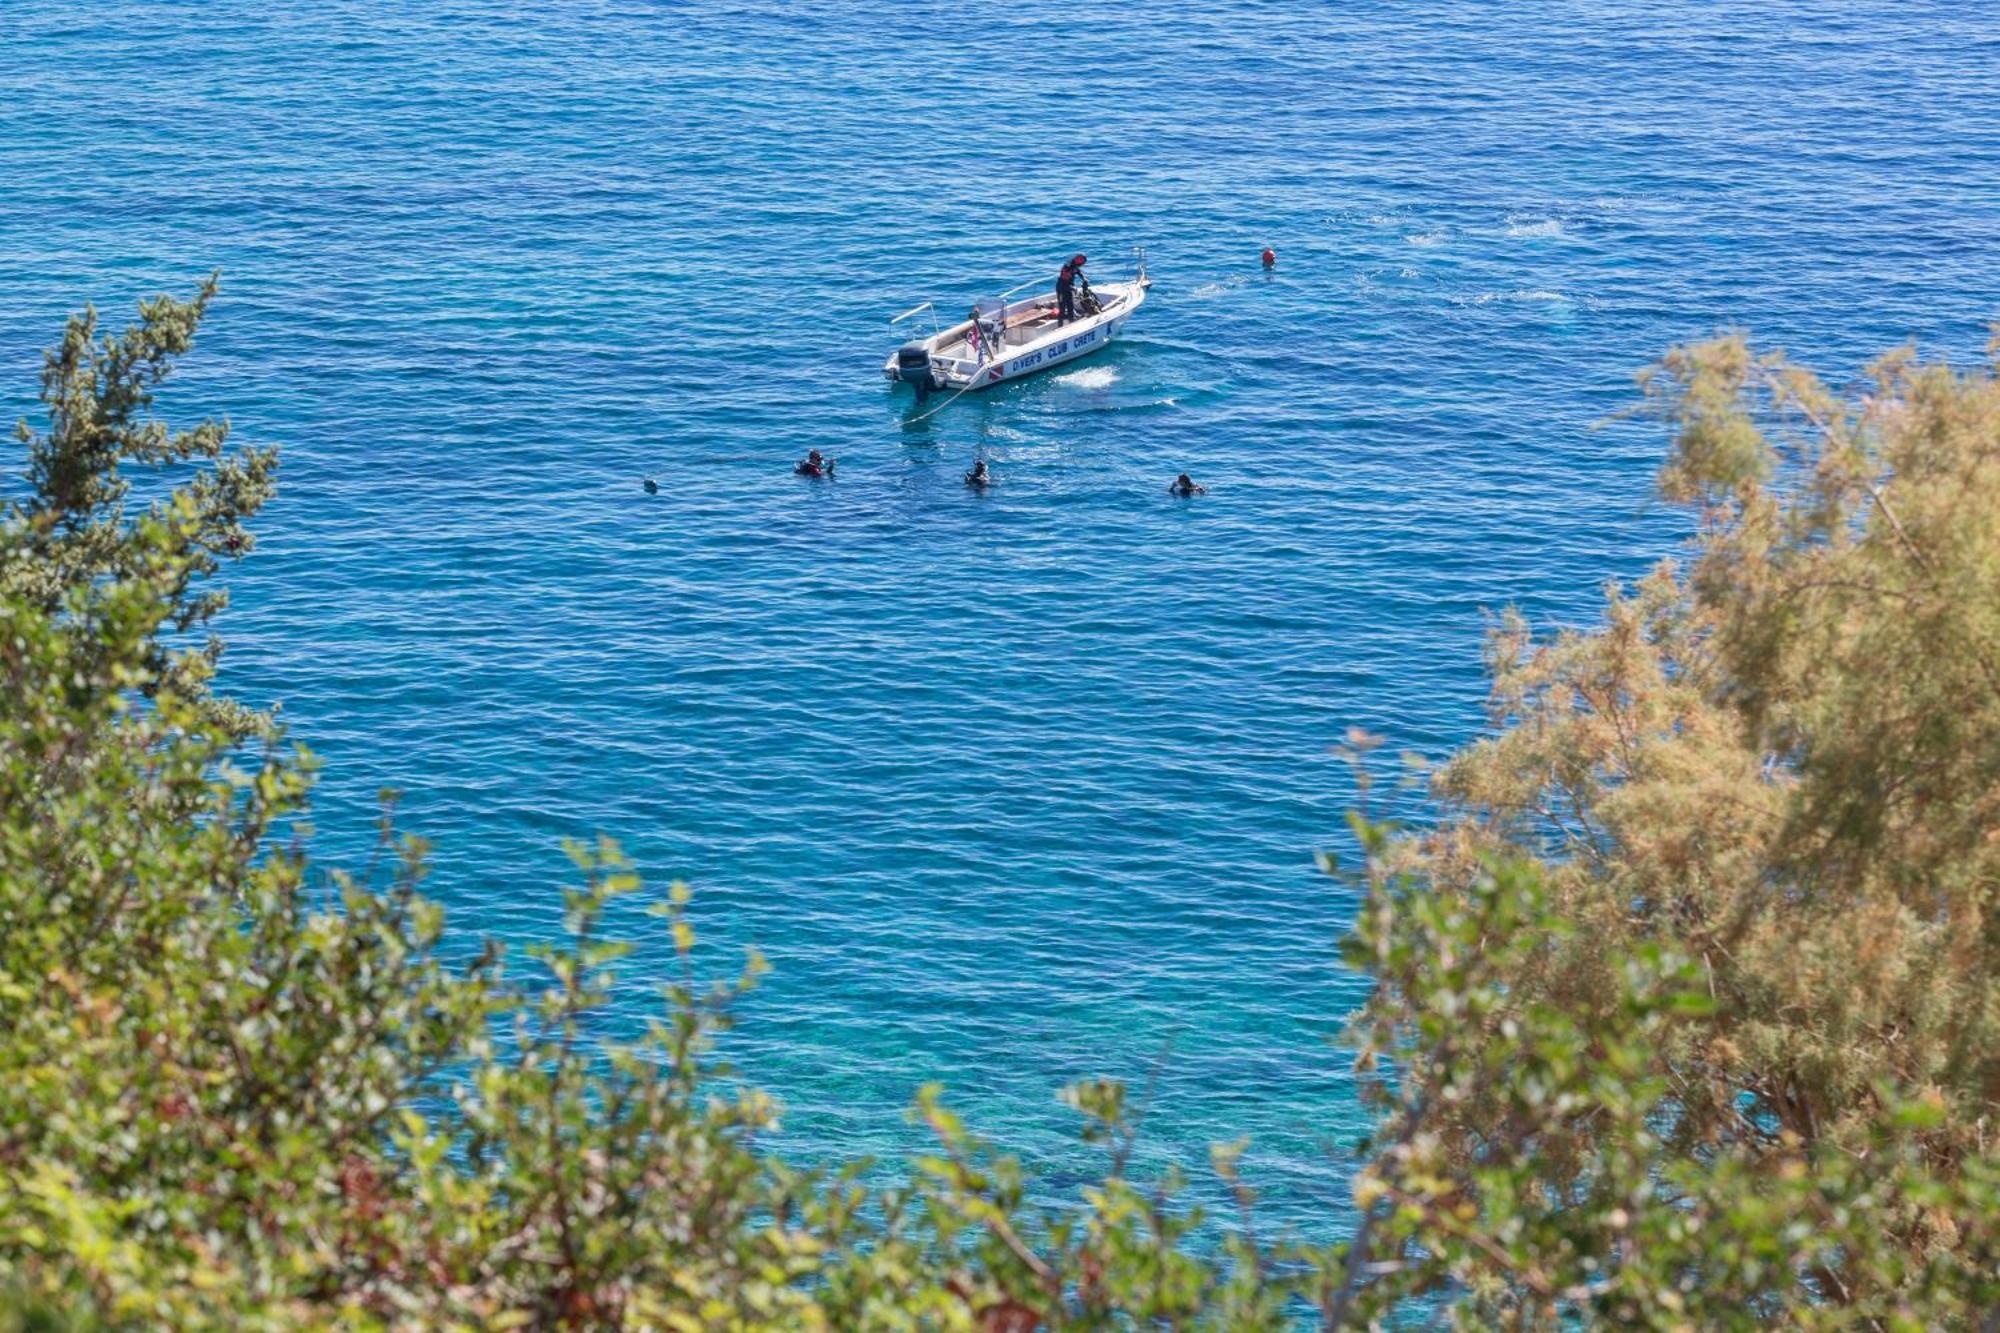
x=1685, y=1013
x=97, y=393
x=1762, y=809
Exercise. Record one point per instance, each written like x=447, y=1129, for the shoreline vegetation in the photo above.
x=1686, y=1008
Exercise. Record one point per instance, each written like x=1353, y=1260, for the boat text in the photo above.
x=1052, y=352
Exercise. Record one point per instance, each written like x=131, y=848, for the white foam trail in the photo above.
x=1537, y=294
x=1426, y=239
x=1549, y=228
x=1212, y=289
x=1091, y=377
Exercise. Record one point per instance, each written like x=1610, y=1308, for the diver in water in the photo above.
x=1072, y=274
x=815, y=466
x=1184, y=486
x=979, y=478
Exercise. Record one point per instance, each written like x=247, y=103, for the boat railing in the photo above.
x=918, y=310
x=1015, y=290
x=1022, y=288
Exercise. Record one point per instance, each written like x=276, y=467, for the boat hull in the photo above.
x=960, y=363
x=1062, y=350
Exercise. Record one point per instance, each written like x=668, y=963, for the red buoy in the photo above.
x=1270, y=257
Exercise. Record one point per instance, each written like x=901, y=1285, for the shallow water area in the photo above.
x=1019, y=785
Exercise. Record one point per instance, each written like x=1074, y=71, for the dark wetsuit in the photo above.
x=1066, y=292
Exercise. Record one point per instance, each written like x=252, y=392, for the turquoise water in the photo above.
x=1016, y=787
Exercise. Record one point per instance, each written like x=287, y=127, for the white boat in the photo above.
x=1005, y=338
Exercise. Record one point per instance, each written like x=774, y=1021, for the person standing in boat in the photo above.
x=1072, y=274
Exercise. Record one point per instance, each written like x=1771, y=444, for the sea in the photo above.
x=1019, y=786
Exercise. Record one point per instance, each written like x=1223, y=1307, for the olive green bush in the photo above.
x=1748, y=1070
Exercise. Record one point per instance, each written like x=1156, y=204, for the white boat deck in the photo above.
x=1029, y=324
x=1021, y=330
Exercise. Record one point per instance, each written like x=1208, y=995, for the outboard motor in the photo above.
x=913, y=366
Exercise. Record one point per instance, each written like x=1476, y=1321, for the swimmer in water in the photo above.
x=652, y=487
x=979, y=478
x=1184, y=486
x=814, y=465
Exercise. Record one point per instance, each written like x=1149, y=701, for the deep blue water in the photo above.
x=1018, y=787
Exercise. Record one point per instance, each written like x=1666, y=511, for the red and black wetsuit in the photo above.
x=1066, y=293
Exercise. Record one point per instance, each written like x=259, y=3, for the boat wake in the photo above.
x=1208, y=291
x=1530, y=295
x=1090, y=377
